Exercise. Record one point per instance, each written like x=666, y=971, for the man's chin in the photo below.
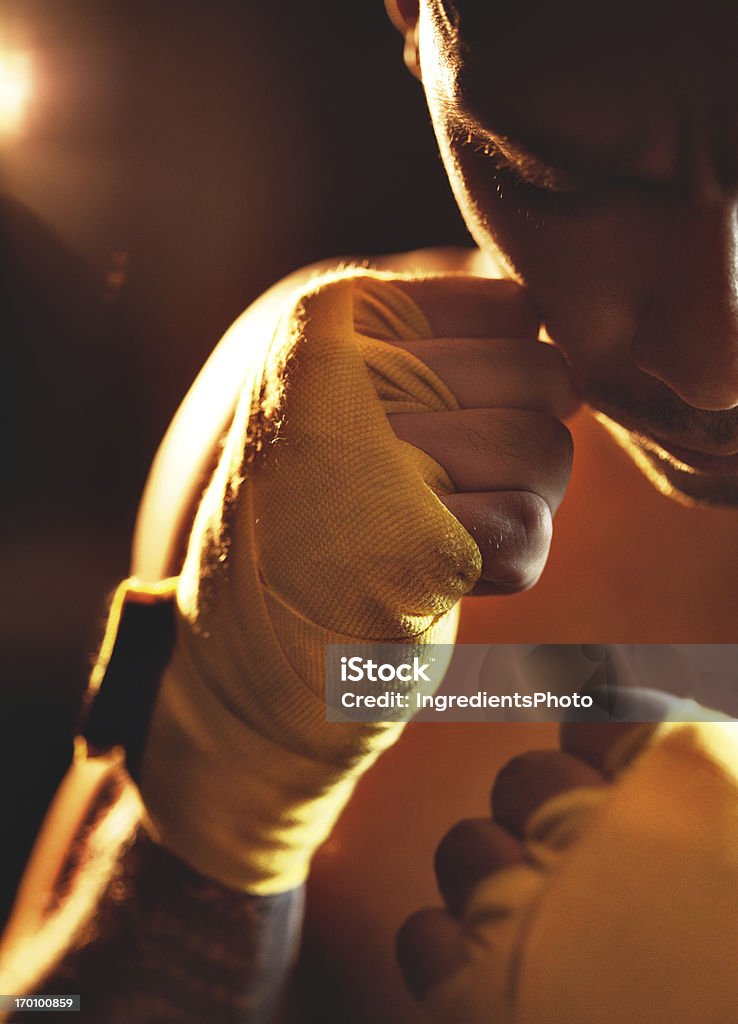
x=672, y=476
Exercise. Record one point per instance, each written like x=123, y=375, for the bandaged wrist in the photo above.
x=318, y=527
x=623, y=910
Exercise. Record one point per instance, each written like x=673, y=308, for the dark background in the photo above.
x=175, y=159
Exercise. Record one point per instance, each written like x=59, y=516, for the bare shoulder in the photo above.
x=187, y=454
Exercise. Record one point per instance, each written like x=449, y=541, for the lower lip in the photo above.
x=702, y=462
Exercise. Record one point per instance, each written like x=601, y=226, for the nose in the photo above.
x=688, y=335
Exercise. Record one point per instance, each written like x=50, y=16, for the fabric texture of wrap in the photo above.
x=318, y=526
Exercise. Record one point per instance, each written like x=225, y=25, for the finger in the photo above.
x=609, y=746
x=468, y=853
x=505, y=373
x=494, y=449
x=513, y=531
x=430, y=947
x=463, y=306
x=529, y=780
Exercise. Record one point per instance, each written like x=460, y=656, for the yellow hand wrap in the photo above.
x=627, y=909
x=318, y=527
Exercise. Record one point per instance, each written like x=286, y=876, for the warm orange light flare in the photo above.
x=15, y=91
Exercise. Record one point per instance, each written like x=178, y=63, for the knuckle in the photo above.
x=535, y=533
x=517, y=778
x=547, y=449
x=546, y=440
x=457, y=863
x=530, y=779
x=560, y=385
x=560, y=445
x=513, y=782
x=517, y=548
x=454, y=845
x=534, y=519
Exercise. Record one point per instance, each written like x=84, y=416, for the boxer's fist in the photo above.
x=504, y=448
x=396, y=441
x=602, y=890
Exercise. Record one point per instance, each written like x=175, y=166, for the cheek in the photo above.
x=586, y=271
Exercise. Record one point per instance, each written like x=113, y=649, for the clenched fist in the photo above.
x=602, y=889
x=397, y=443
x=504, y=448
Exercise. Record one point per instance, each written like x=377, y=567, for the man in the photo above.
x=592, y=155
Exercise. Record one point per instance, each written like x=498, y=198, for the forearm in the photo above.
x=154, y=940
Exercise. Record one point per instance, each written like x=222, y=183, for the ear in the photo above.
x=404, y=16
